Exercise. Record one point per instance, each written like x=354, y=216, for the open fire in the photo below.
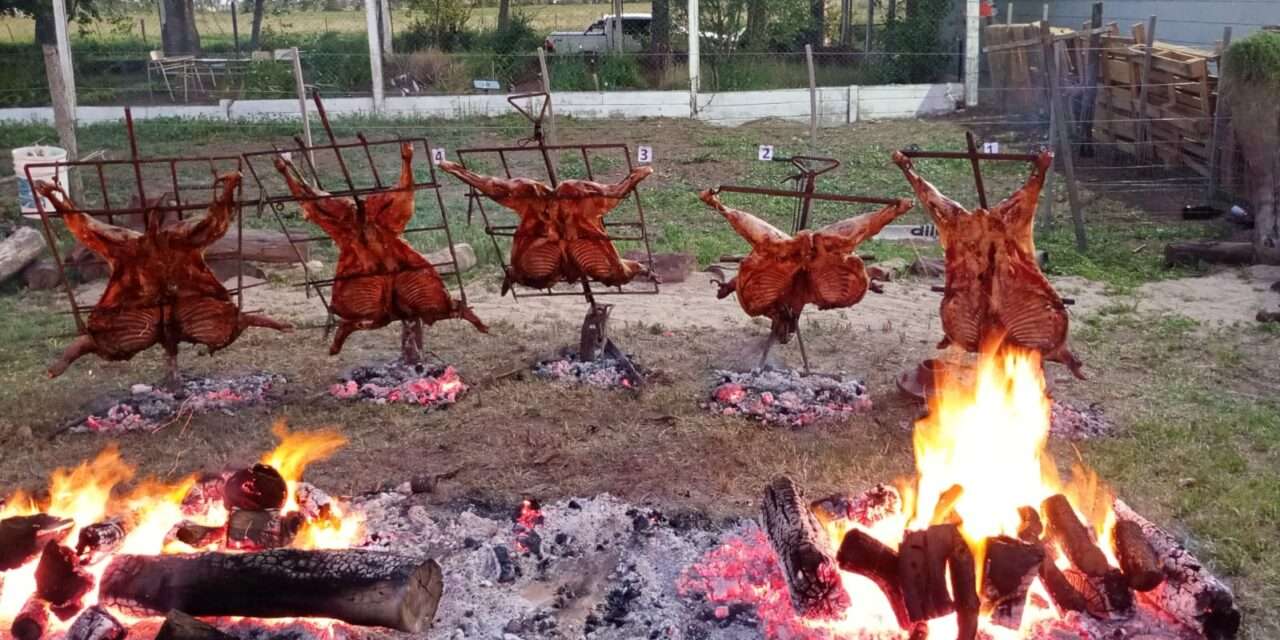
x=254, y=542
x=986, y=540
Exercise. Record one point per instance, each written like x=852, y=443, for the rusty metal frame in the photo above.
x=275, y=202
x=176, y=191
x=974, y=157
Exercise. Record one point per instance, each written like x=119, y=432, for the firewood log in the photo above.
x=1107, y=597
x=61, y=581
x=1190, y=594
x=22, y=538
x=257, y=488
x=180, y=626
x=944, y=512
x=865, y=509
x=1075, y=539
x=964, y=584
x=1030, y=529
x=206, y=492
x=261, y=530
x=197, y=536
x=1137, y=558
x=804, y=552
x=1064, y=595
x=99, y=540
x=922, y=570
x=862, y=554
x=1011, y=566
x=356, y=586
x=1211, y=251
x=96, y=624
x=31, y=621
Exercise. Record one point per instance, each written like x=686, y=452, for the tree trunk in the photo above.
x=1261, y=176
x=660, y=35
x=178, y=33
x=255, y=32
x=818, y=23
x=757, y=23
x=504, y=14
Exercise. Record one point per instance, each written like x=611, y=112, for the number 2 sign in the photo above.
x=765, y=153
x=437, y=155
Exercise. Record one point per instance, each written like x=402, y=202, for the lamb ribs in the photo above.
x=380, y=278
x=161, y=290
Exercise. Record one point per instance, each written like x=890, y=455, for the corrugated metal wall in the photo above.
x=1191, y=22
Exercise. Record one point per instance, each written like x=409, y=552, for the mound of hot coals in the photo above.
x=1074, y=423
x=420, y=384
x=147, y=408
x=611, y=369
x=787, y=397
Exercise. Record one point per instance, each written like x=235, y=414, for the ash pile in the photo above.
x=148, y=408
x=1076, y=423
x=786, y=397
x=612, y=369
x=430, y=386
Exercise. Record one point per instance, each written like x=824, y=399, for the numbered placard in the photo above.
x=991, y=147
x=644, y=154
x=765, y=153
x=437, y=155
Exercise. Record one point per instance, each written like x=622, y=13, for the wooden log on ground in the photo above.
x=922, y=570
x=96, y=624
x=1211, y=251
x=1105, y=597
x=1137, y=558
x=1064, y=595
x=197, y=536
x=180, y=626
x=862, y=554
x=262, y=530
x=804, y=551
x=31, y=621
x=22, y=538
x=1075, y=539
x=866, y=509
x=61, y=581
x=1189, y=593
x=99, y=540
x=1011, y=566
x=18, y=250
x=257, y=488
x=41, y=274
x=356, y=586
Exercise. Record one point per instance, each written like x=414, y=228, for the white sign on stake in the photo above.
x=437, y=155
x=765, y=153
x=644, y=154
x=991, y=147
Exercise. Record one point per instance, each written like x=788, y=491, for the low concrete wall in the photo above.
x=836, y=106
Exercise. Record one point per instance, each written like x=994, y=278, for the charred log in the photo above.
x=803, y=550
x=922, y=569
x=865, y=509
x=31, y=621
x=312, y=501
x=1011, y=566
x=1030, y=529
x=1211, y=251
x=180, y=626
x=1190, y=594
x=197, y=536
x=60, y=581
x=1075, y=539
x=964, y=585
x=355, y=586
x=99, y=540
x=1137, y=558
x=206, y=492
x=862, y=554
x=262, y=530
x=257, y=488
x=22, y=538
x=1107, y=597
x=1064, y=595
x=96, y=624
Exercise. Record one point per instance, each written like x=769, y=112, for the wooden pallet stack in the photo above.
x=1173, y=121
x=1015, y=55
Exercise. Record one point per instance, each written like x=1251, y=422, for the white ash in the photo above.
x=604, y=372
x=787, y=397
x=430, y=386
x=147, y=408
x=1075, y=423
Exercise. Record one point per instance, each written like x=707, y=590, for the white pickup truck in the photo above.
x=599, y=37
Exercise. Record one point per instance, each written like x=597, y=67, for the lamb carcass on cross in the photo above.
x=561, y=236
x=379, y=277
x=160, y=290
x=994, y=287
x=782, y=274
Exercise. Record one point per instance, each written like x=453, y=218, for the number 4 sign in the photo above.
x=765, y=153
x=644, y=154
x=437, y=155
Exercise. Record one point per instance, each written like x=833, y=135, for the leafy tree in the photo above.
x=82, y=11
x=1252, y=82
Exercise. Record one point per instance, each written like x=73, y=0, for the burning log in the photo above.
x=1011, y=566
x=96, y=624
x=257, y=488
x=206, y=492
x=60, y=581
x=358, y=587
x=99, y=540
x=804, y=551
x=862, y=554
x=262, y=530
x=180, y=626
x=865, y=509
x=1064, y=595
x=1106, y=597
x=24, y=537
x=922, y=569
x=1073, y=536
x=1137, y=558
x=1030, y=529
x=32, y=621
x=197, y=536
x=944, y=512
x=1189, y=594
x=312, y=501
x=964, y=581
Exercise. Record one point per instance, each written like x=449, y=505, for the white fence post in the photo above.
x=972, y=31
x=375, y=52
x=695, y=59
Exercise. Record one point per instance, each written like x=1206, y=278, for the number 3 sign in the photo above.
x=644, y=154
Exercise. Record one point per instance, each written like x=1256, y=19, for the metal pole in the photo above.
x=1064, y=147
x=972, y=32
x=695, y=58
x=235, y=27
x=375, y=52
x=813, y=99
x=1218, y=114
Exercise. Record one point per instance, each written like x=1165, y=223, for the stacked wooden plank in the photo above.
x=1015, y=59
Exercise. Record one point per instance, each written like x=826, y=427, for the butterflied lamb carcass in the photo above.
x=160, y=291
x=380, y=278
x=994, y=287
x=782, y=274
x=561, y=236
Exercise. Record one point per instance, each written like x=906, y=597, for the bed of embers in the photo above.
x=786, y=397
x=148, y=408
x=432, y=387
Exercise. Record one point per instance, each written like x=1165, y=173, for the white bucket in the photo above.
x=23, y=156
